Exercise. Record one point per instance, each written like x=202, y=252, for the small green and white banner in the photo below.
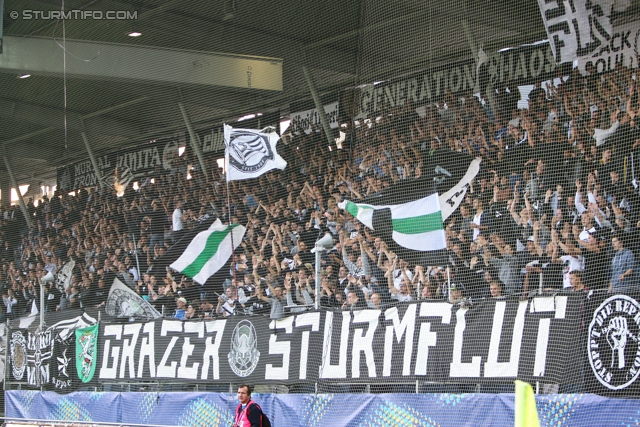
x=416, y=225
x=209, y=251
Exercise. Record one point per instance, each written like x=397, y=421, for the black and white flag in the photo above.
x=444, y=172
x=123, y=302
x=592, y=32
x=448, y=174
x=250, y=153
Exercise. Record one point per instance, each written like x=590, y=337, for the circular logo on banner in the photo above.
x=249, y=151
x=18, y=355
x=244, y=354
x=614, y=342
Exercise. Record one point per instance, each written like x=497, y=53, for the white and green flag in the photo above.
x=209, y=251
x=415, y=225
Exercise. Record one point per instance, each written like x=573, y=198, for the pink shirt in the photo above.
x=242, y=419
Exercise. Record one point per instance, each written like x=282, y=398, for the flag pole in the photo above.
x=135, y=251
x=449, y=283
x=226, y=173
x=42, y=285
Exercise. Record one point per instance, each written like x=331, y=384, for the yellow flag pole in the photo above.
x=526, y=413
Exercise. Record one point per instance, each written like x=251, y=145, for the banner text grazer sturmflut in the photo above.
x=433, y=341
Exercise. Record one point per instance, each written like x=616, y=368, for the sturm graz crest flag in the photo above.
x=86, y=352
x=250, y=153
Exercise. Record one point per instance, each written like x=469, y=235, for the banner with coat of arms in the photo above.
x=46, y=359
x=86, y=352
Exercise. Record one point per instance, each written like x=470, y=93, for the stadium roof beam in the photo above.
x=55, y=117
x=96, y=60
x=44, y=150
x=195, y=140
x=92, y=157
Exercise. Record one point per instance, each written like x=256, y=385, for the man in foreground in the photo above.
x=248, y=413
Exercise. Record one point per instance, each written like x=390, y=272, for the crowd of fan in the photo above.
x=556, y=206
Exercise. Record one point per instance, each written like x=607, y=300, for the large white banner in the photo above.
x=583, y=30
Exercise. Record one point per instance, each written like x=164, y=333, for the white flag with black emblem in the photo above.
x=250, y=153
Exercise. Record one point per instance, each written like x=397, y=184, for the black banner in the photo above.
x=520, y=66
x=612, y=340
x=131, y=164
x=63, y=377
x=578, y=341
x=431, y=341
x=45, y=359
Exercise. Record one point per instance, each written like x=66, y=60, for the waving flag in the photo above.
x=123, y=302
x=250, y=153
x=209, y=251
x=63, y=278
x=415, y=225
x=445, y=172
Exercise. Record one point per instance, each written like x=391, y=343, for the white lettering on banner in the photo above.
x=578, y=30
x=213, y=141
x=493, y=368
x=39, y=358
x=147, y=350
x=542, y=342
x=86, y=180
x=614, y=347
x=327, y=369
x=106, y=371
x=83, y=168
x=457, y=368
x=39, y=341
x=308, y=120
x=364, y=343
x=38, y=375
x=513, y=65
x=582, y=30
x=103, y=162
x=165, y=371
x=190, y=350
x=426, y=338
x=279, y=347
x=612, y=56
x=212, y=349
x=306, y=319
x=185, y=371
x=407, y=325
x=131, y=163
x=84, y=173
x=142, y=159
x=539, y=305
x=128, y=349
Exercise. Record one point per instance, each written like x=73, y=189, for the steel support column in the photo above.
x=94, y=162
x=319, y=106
x=14, y=183
x=195, y=141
